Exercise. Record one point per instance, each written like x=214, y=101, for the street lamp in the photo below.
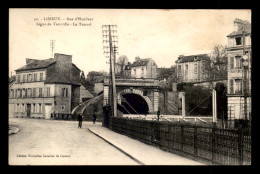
x=245, y=65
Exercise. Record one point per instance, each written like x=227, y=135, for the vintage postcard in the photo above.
x=129, y=86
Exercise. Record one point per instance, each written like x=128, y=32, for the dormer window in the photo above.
x=238, y=40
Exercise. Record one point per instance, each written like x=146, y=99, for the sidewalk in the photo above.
x=140, y=152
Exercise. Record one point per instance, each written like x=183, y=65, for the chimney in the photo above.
x=137, y=58
x=28, y=61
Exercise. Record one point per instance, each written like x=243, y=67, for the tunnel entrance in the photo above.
x=133, y=103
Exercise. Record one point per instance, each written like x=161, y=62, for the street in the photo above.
x=53, y=142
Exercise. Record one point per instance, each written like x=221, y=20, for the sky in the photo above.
x=159, y=34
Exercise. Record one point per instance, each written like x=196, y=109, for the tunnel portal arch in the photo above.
x=138, y=95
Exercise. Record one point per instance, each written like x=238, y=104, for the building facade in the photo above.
x=191, y=69
x=45, y=86
x=144, y=68
x=239, y=81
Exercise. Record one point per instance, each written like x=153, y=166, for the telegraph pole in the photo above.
x=110, y=50
x=52, y=44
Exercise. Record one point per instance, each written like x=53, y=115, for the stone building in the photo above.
x=144, y=68
x=236, y=70
x=45, y=86
x=191, y=69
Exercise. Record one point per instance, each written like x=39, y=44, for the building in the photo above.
x=45, y=86
x=191, y=69
x=238, y=46
x=144, y=68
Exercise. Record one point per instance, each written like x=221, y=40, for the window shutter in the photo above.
x=231, y=62
x=231, y=85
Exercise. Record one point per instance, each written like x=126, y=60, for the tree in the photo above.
x=221, y=101
x=122, y=61
x=198, y=100
x=217, y=65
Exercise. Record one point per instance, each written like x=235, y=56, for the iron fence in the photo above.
x=215, y=145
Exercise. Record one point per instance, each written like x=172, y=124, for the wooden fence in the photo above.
x=214, y=145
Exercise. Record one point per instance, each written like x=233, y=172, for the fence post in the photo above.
x=182, y=139
x=240, y=146
x=195, y=142
x=213, y=145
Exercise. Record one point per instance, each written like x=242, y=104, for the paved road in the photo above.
x=53, y=142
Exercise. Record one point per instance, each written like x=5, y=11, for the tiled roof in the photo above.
x=140, y=62
x=37, y=64
x=240, y=31
x=59, y=78
x=192, y=58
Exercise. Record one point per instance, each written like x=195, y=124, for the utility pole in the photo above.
x=52, y=44
x=243, y=25
x=108, y=31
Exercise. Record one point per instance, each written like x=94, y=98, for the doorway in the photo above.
x=28, y=110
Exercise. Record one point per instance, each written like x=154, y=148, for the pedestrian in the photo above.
x=94, y=117
x=106, y=110
x=158, y=115
x=80, y=120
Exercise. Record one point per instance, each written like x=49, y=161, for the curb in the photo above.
x=13, y=130
x=121, y=150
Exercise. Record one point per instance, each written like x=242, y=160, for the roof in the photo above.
x=37, y=64
x=240, y=31
x=140, y=62
x=59, y=78
x=192, y=58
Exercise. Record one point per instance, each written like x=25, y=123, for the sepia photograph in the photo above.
x=129, y=87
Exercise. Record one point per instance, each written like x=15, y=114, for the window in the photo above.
x=238, y=40
x=15, y=94
x=238, y=86
x=18, y=79
x=231, y=86
x=41, y=76
x=238, y=62
x=40, y=92
x=40, y=108
x=231, y=62
x=33, y=111
x=11, y=93
x=24, y=78
x=20, y=93
x=64, y=92
x=48, y=91
x=195, y=68
x=179, y=70
x=25, y=95
x=34, y=92
x=35, y=77
x=186, y=72
x=17, y=108
x=29, y=92
x=62, y=107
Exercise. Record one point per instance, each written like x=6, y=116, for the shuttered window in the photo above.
x=231, y=62
x=231, y=86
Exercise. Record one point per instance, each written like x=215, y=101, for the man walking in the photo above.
x=94, y=117
x=80, y=120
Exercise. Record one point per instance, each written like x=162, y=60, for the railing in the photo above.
x=144, y=82
x=212, y=145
